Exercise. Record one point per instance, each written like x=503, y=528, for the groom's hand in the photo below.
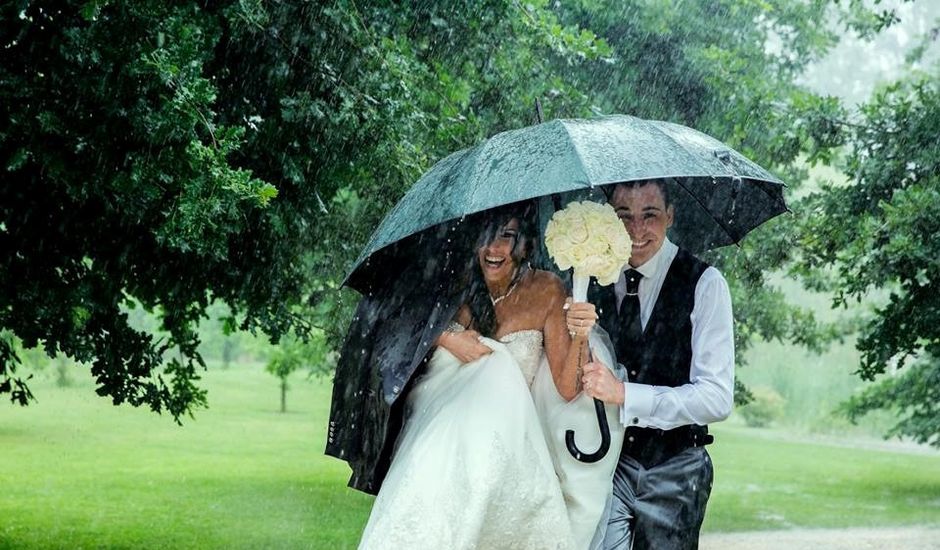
x=464, y=345
x=580, y=317
x=598, y=382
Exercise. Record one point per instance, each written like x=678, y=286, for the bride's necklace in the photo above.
x=508, y=292
x=504, y=296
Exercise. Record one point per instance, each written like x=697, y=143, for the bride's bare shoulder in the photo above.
x=548, y=283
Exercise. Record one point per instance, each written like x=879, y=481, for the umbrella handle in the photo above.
x=601, y=452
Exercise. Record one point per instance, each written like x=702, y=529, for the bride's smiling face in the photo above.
x=495, y=256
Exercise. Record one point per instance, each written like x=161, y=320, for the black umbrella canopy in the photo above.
x=719, y=194
x=712, y=212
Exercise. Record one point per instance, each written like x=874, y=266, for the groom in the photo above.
x=669, y=317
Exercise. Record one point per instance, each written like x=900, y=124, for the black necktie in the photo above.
x=630, y=306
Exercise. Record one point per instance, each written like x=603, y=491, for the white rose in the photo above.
x=590, y=238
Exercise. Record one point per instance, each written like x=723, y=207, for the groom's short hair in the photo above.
x=662, y=183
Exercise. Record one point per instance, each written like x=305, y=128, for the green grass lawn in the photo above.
x=766, y=480
x=78, y=472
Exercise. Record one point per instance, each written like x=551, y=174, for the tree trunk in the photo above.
x=284, y=394
x=62, y=372
x=227, y=349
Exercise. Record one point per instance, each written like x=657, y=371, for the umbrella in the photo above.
x=719, y=196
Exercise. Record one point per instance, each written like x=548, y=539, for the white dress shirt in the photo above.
x=709, y=395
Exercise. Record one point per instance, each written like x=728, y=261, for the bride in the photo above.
x=471, y=468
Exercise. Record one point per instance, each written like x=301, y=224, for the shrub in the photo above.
x=766, y=407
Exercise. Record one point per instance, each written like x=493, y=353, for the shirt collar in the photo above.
x=652, y=266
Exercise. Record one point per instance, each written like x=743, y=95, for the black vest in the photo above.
x=661, y=356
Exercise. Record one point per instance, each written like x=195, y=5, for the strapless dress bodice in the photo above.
x=526, y=348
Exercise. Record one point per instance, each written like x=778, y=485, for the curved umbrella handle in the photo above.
x=601, y=451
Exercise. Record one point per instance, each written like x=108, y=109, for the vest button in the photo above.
x=635, y=420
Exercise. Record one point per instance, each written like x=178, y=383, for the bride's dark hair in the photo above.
x=482, y=311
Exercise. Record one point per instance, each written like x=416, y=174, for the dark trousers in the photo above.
x=660, y=508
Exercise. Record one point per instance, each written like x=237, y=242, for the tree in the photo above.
x=221, y=341
x=878, y=234
x=119, y=187
x=174, y=154
x=294, y=355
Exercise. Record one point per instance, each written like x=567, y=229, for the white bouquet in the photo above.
x=590, y=238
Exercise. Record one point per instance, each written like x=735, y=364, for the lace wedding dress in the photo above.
x=471, y=469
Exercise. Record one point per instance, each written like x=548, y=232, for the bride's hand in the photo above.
x=464, y=345
x=580, y=317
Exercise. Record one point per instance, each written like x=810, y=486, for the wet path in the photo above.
x=907, y=538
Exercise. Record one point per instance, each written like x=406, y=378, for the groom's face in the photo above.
x=644, y=213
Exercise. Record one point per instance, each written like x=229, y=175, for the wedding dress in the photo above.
x=587, y=487
x=471, y=469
